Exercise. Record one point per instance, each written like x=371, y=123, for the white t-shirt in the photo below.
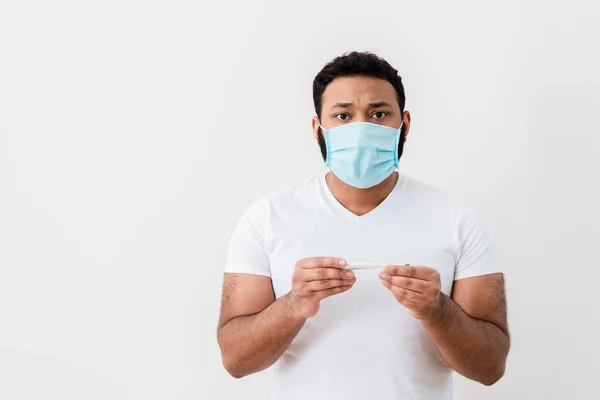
x=362, y=344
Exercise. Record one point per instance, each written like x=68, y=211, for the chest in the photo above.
x=397, y=239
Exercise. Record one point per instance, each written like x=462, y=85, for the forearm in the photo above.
x=254, y=342
x=474, y=348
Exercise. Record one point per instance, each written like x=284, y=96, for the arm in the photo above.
x=470, y=330
x=255, y=330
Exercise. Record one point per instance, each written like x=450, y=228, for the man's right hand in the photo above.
x=314, y=279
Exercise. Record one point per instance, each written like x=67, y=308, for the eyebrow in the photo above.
x=342, y=105
x=379, y=104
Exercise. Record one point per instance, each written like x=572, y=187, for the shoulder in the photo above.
x=430, y=195
x=437, y=201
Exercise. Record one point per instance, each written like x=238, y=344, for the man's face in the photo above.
x=360, y=99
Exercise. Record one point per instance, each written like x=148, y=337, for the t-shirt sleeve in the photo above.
x=246, y=253
x=477, y=254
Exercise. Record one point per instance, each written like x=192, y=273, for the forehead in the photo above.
x=359, y=90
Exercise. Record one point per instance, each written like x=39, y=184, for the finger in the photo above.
x=319, y=274
x=416, y=285
x=318, y=286
x=404, y=294
x=323, y=294
x=321, y=262
x=423, y=273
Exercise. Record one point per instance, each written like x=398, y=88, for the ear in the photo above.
x=406, y=122
x=315, y=128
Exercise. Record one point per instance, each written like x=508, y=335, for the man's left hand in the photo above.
x=416, y=288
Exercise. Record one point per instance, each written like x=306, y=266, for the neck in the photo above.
x=360, y=201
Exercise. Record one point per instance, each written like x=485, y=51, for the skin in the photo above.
x=469, y=328
x=255, y=329
x=360, y=99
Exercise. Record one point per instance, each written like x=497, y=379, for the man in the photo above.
x=362, y=283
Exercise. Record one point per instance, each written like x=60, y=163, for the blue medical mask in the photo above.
x=362, y=154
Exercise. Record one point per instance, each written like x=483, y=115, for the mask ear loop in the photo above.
x=398, y=138
x=327, y=146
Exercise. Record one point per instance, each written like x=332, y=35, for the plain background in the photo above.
x=134, y=134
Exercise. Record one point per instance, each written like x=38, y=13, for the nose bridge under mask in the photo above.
x=339, y=126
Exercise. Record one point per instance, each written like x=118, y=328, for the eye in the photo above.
x=379, y=114
x=342, y=116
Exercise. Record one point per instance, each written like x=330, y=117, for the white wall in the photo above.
x=134, y=134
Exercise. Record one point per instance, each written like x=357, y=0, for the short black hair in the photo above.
x=352, y=64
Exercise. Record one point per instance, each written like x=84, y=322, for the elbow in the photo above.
x=235, y=374
x=497, y=369
x=231, y=365
x=230, y=361
x=494, y=376
x=490, y=382
x=232, y=369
